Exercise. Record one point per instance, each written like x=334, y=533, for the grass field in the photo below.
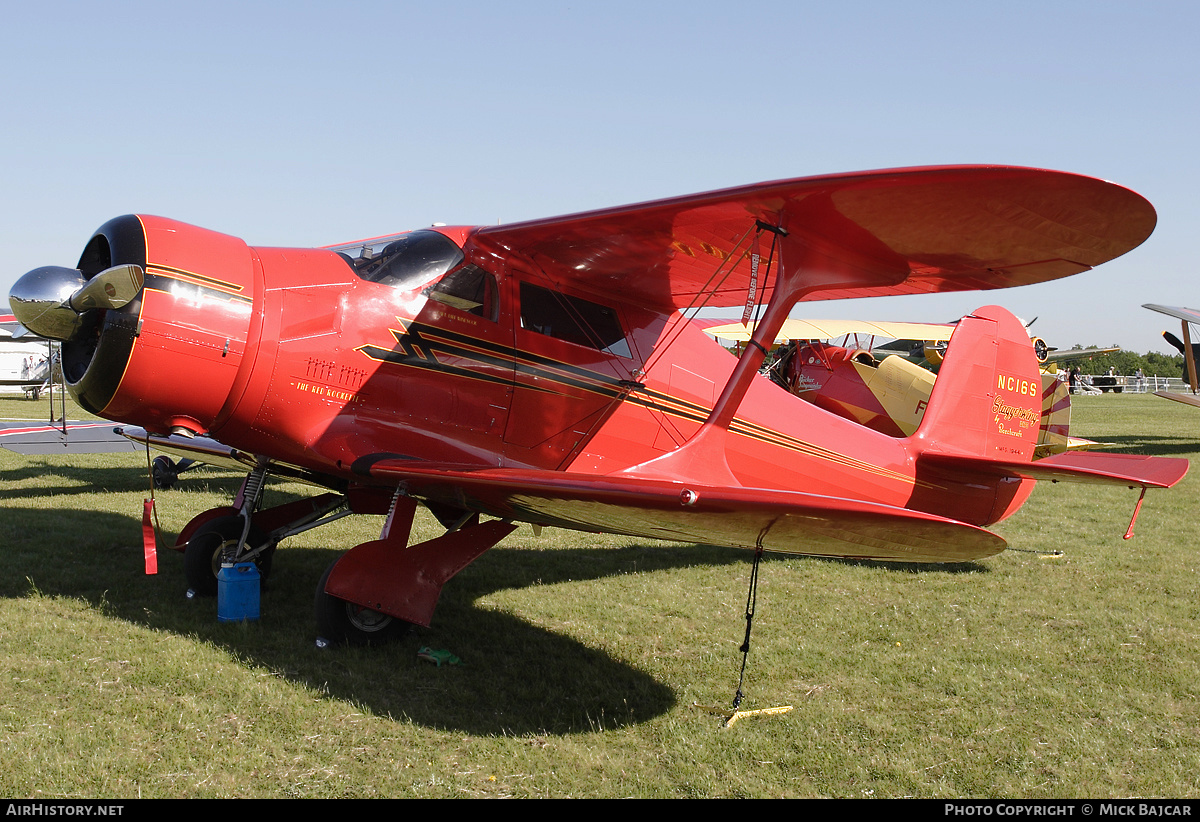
x=1020, y=676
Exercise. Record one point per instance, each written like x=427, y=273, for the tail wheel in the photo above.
x=164, y=473
x=344, y=623
x=203, y=555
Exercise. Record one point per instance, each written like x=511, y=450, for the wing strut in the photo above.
x=694, y=307
x=703, y=456
x=1189, y=356
x=1136, y=509
x=808, y=263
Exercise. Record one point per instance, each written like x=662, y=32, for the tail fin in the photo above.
x=985, y=414
x=987, y=401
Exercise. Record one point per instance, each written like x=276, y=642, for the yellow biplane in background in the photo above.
x=887, y=387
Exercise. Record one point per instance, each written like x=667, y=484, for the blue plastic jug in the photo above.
x=237, y=592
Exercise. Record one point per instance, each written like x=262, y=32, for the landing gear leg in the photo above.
x=221, y=534
x=230, y=538
x=389, y=578
x=215, y=540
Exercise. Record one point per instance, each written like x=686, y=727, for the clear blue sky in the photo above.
x=311, y=123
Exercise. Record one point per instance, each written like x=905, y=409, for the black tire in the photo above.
x=343, y=623
x=164, y=473
x=202, y=557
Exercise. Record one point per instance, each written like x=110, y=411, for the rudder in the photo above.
x=987, y=401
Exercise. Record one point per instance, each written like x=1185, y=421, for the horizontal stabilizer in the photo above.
x=783, y=521
x=1186, y=399
x=1078, y=466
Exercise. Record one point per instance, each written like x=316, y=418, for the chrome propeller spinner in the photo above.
x=51, y=301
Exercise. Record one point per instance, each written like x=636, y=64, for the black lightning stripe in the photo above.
x=419, y=346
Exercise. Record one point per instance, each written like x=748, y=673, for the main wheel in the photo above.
x=343, y=623
x=202, y=557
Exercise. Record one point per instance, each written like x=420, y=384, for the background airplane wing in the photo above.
x=794, y=329
x=1057, y=355
x=901, y=231
x=34, y=438
x=1186, y=399
x=1188, y=315
x=786, y=522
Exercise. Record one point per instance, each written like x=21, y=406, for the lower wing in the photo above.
x=787, y=522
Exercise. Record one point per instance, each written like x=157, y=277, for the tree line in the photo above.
x=1153, y=363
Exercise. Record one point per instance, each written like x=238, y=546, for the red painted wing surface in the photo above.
x=901, y=231
x=788, y=522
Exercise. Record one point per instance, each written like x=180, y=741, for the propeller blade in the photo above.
x=112, y=288
x=50, y=301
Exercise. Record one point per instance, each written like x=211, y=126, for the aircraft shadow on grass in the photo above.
x=81, y=478
x=1153, y=445
x=518, y=677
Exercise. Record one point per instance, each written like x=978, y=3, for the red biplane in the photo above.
x=547, y=372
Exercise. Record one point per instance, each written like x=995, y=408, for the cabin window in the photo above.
x=572, y=319
x=468, y=288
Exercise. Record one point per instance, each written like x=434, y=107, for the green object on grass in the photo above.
x=438, y=658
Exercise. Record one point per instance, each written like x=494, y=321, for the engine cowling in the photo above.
x=169, y=358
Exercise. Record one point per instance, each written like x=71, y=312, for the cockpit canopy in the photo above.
x=409, y=261
x=403, y=261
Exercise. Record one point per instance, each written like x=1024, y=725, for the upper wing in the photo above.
x=903, y=231
x=783, y=521
x=1188, y=315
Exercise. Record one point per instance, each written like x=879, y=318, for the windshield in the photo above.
x=403, y=261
